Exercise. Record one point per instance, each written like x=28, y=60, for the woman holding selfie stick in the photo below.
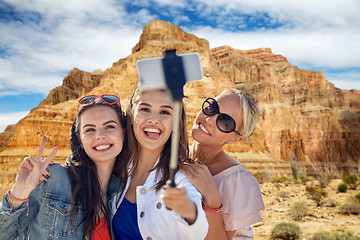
x=73, y=202
x=148, y=208
x=231, y=196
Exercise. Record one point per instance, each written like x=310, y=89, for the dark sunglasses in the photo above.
x=108, y=99
x=224, y=122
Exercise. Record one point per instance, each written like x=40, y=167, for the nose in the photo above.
x=211, y=120
x=153, y=118
x=100, y=135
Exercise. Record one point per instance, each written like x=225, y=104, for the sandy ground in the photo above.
x=324, y=218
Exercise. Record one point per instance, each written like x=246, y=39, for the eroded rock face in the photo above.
x=303, y=116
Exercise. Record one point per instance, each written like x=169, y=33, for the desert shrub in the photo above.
x=317, y=194
x=352, y=180
x=342, y=188
x=283, y=194
x=323, y=180
x=357, y=197
x=323, y=235
x=286, y=231
x=298, y=210
x=330, y=203
x=259, y=177
x=305, y=179
x=294, y=169
x=281, y=179
x=350, y=208
x=263, y=177
x=342, y=235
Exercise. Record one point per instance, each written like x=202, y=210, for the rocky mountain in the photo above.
x=303, y=116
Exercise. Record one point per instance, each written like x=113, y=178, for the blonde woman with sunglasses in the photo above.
x=73, y=202
x=231, y=196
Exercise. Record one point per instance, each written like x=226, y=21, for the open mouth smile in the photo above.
x=102, y=147
x=152, y=133
x=203, y=128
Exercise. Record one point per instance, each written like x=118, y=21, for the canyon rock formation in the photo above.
x=303, y=116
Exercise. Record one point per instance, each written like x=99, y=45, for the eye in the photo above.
x=144, y=109
x=89, y=130
x=165, y=112
x=110, y=127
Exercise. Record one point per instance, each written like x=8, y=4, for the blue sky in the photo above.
x=41, y=41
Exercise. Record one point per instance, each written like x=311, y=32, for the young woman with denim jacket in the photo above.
x=74, y=202
x=147, y=208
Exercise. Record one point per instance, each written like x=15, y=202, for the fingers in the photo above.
x=50, y=157
x=26, y=164
x=41, y=148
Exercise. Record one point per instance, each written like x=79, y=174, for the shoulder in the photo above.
x=236, y=176
x=58, y=183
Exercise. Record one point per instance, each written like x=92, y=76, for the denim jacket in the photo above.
x=49, y=210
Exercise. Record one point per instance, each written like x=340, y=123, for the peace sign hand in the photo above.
x=31, y=170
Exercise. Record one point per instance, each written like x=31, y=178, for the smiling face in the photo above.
x=205, y=130
x=152, y=119
x=101, y=134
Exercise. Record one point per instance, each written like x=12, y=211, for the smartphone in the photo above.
x=152, y=76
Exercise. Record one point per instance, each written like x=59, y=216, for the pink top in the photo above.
x=240, y=196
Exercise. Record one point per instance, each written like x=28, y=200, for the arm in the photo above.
x=187, y=229
x=200, y=176
x=11, y=208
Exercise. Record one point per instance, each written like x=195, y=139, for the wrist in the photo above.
x=19, y=193
x=211, y=209
x=212, y=201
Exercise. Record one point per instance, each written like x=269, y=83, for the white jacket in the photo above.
x=155, y=221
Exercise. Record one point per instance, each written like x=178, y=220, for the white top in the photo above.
x=240, y=196
x=155, y=221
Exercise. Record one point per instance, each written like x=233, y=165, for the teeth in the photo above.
x=154, y=130
x=203, y=128
x=102, y=147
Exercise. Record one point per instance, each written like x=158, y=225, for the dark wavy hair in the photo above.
x=133, y=147
x=85, y=184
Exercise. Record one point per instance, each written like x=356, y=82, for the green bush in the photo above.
x=323, y=235
x=281, y=179
x=350, y=208
x=326, y=235
x=357, y=197
x=342, y=188
x=323, y=180
x=352, y=180
x=298, y=210
x=283, y=194
x=286, y=231
x=316, y=194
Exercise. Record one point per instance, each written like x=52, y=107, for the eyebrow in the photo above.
x=163, y=106
x=105, y=123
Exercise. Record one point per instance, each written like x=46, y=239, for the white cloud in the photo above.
x=10, y=118
x=52, y=37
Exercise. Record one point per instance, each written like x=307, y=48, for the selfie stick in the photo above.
x=175, y=81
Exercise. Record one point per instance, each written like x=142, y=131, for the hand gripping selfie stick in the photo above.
x=171, y=72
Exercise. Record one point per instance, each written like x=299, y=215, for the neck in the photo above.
x=205, y=153
x=147, y=160
x=104, y=172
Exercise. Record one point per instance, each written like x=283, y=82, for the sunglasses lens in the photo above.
x=225, y=123
x=210, y=107
x=87, y=100
x=110, y=99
